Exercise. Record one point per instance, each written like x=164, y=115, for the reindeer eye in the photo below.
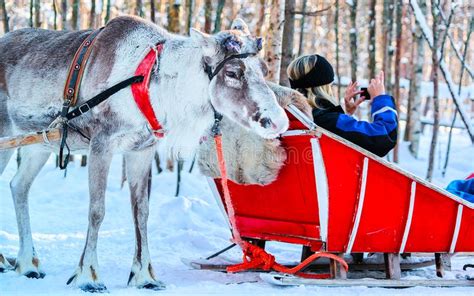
x=231, y=74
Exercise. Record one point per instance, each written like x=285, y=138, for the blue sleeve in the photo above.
x=384, y=118
x=378, y=136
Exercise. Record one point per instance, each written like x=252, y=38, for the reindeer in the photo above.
x=33, y=69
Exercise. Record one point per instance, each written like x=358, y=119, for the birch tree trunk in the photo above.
x=107, y=12
x=336, y=36
x=218, y=21
x=189, y=15
x=261, y=18
x=64, y=24
x=398, y=55
x=173, y=16
x=152, y=11
x=5, y=16
x=274, y=36
x=371, y=47
x=207, y=16
x=92, y=15
x=37, y=13
x=435, y=66
x=387, y=42
x=353, y=39
x=139, y=8
x=415, y=87
x=75, y=15
x=466, y=46
x=287, y=41
x=32, y=5
x=302, y=23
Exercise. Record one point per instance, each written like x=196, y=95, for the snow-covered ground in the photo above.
x=188, y=226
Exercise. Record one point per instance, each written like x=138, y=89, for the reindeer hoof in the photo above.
x=156, y=286
x=94, y=288
x=34, y=275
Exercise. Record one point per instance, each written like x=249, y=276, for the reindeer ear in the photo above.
x=206, y=41
x=239, y=24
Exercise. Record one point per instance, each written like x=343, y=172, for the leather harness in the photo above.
x=139, y=85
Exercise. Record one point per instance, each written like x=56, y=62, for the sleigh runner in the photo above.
x=332, y=196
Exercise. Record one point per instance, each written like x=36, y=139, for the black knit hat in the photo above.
x=321, y=74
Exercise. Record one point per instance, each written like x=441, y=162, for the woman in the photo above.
x=312, y=75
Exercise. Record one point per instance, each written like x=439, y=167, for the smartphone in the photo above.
x=365, y=93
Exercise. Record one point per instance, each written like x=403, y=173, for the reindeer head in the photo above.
x=238, y=89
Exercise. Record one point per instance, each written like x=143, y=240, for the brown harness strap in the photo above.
x=76, y=69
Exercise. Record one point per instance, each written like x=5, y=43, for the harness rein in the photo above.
x=139, y=85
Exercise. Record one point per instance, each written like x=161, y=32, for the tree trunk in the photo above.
x=415, y=93
x=218, y=21
x=5, y=16
x=287, y=42
x=466, y=46
x=353, y=39
x=139, y=8
x=173, y=16
x=75, y=15
x=83, y=160
x=189, y=21
x=406, y=136
x=398, y=55
x=152, y=11
x=388, y=8
x=336, y=34
x=371, y=49
x=32, y=5
x=302, y=23
x=261, y=18
x=207, y=16
x=435, y=66
x=64, y=25
x=55, y=15
x=274, y=36
x=37, y=13
x=92, y=15
x=107, y=12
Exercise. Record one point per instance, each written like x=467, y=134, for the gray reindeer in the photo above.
x=33, y=68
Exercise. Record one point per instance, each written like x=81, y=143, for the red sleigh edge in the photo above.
x=334, y=196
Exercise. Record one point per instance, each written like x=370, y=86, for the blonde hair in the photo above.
x=301, y=66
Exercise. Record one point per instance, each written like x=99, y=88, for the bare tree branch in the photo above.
x=313, y=13
x=451, y=40
x=421, y=20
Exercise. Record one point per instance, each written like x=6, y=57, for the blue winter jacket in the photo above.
x=378, y=136
x=463, y=189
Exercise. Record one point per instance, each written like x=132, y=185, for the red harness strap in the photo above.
x=255, y=257
x=141, y=93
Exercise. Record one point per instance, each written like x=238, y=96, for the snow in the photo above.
x=189, y=226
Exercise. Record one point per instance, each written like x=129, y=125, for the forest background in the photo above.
x=424, y=47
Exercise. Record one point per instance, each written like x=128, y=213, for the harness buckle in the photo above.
x=84, y=108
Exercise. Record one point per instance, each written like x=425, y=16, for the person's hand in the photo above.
x=350, y=101
x=376, y=86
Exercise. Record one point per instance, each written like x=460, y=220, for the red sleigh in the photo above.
x=333, y=196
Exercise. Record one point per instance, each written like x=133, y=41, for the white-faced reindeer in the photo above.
x=33, y=68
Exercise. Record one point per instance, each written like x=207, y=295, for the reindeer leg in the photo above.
x=33, y=160
x=138, y=169
x=86, y=276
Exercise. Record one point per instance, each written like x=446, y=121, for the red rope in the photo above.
x=255, y=257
